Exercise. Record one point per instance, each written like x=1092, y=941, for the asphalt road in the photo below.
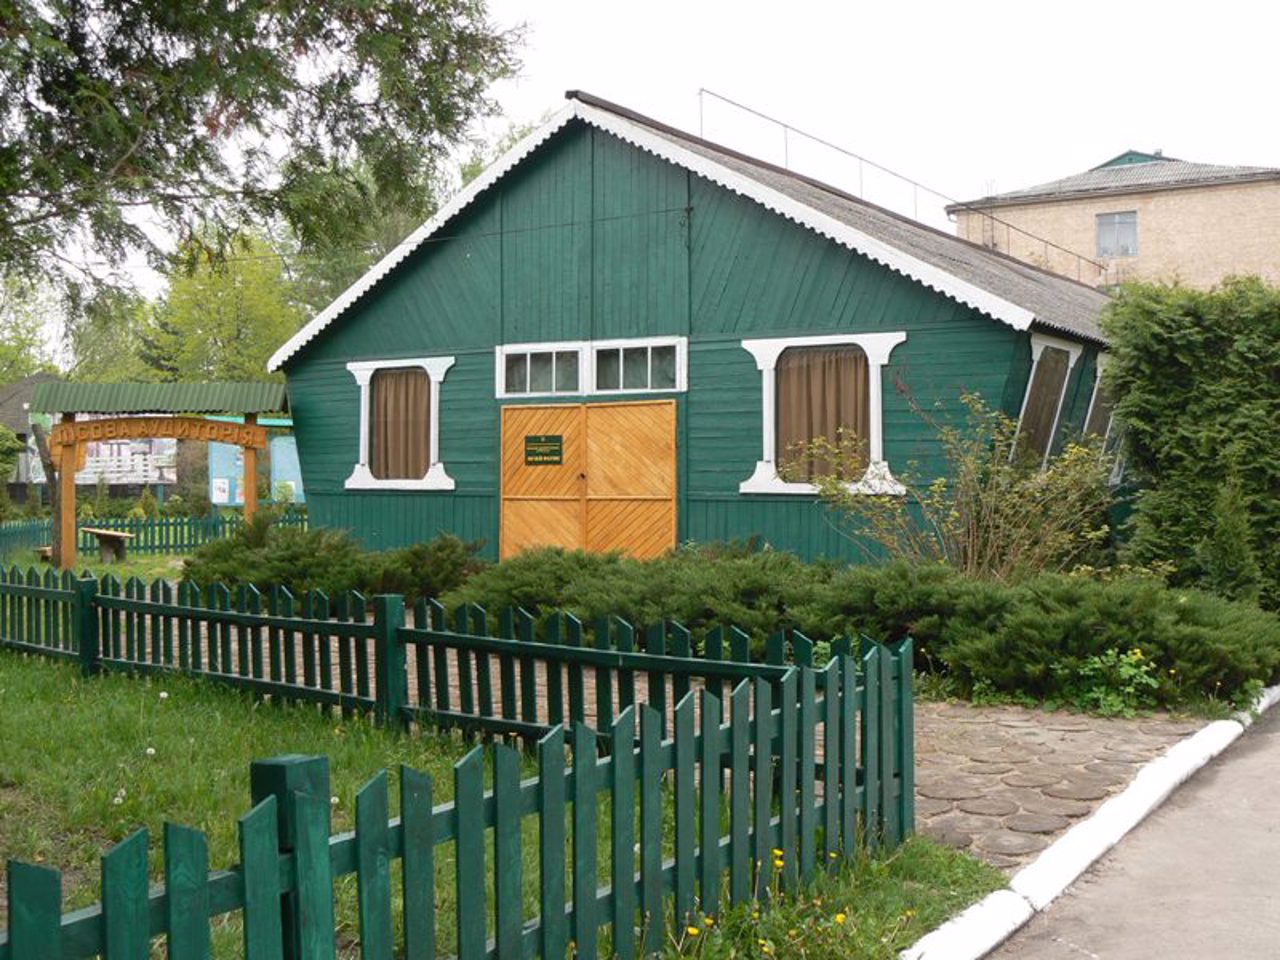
x=1198, y=880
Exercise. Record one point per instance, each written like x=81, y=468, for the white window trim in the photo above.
x=502, y=351
x=1098, y=366
x=877, y=346
x=436, y=477
x=1038, y=342
x=682, y=362
x=586, y=350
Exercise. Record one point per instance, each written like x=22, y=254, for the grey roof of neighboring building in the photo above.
x=1056, y=301
x=1158, y=173
x=14, y=398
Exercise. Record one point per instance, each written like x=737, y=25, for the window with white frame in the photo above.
x=824, y=386
x=1118, y=234
x=578, y=368
x=1097, y=422
x=541, y=371
x=645, y=365
x=1051, y=363
x=399, y=445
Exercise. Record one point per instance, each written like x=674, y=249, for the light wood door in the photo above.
x=543, y=503
x=598, y=476
x=631, y=477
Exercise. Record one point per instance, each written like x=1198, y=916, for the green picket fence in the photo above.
x=150, y=534
x=22, y=536
x=756, y=793
x=177, y=534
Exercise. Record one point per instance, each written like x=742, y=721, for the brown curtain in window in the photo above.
x=820, y=391
x=399, y=424
x=1036, y=431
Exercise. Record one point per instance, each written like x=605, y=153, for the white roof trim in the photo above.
x=495, y=171
x=645, y=139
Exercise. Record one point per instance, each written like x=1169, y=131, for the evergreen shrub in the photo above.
x=1193, y=374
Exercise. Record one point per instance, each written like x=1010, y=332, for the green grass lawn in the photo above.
x=83, y=763
x=145, y=566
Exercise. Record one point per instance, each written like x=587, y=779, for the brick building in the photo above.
x=1139, y=216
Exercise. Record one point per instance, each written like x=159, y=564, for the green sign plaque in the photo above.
x=543, y=449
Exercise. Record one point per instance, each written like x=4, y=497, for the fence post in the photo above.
x=390, y=670
x=84, y=622
x=286, y=778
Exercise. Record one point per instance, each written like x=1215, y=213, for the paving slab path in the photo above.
x=1198, y=879
x=1004, y=782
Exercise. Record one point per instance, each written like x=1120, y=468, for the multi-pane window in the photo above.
x=1118, y=234
x=542, y=371
x=822, y=393
x=584, y=367
x=643, y=367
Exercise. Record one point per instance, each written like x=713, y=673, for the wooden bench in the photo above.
x=111, y=543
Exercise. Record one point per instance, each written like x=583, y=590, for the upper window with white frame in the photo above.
x=1118, y=234
x=538, y=372
x=579, y=368
x=1051, y=363
x=399, y=444
x=824, y=387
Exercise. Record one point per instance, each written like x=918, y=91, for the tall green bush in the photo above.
x=1193, y=375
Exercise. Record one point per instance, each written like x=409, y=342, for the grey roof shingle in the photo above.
x=1164, y=173
x=1056, y=301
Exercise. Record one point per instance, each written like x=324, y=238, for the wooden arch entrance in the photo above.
x=145, y=411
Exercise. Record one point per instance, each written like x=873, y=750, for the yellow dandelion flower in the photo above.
x=841, y=918
x=709, y=921
x=777, y=864
x=693, y=931
x=777, y=852
x=832, y=855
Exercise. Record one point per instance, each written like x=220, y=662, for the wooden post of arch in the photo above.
x=250, y=478
x=68, y=461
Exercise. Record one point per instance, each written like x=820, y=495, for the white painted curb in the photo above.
x=992, y=920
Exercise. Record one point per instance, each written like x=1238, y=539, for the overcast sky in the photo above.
x=963, y=97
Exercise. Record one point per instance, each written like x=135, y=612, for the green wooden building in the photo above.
x=615, y=334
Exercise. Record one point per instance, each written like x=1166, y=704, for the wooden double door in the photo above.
x=595, y=476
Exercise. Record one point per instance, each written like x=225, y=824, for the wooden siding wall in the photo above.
x=592, y=238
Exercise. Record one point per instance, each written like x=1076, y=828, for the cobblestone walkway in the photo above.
x=1005, y=782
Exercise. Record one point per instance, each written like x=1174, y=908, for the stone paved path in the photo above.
x=1004, y=782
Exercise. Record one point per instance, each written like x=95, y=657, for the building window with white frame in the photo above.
x=1118, y=234
x=542, y=372
x=1097, y=422
x=636, y=365
x=399, y=445
x=1051, y=363
x=821, y=387
x=582, y=368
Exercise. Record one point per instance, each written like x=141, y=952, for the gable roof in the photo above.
x=14, y=398
x=996, y=285
x=1130, y=172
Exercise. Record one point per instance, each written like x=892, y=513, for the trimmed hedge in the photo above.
x=1030, y=638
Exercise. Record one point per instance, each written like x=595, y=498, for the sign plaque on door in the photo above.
x=543, y=449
